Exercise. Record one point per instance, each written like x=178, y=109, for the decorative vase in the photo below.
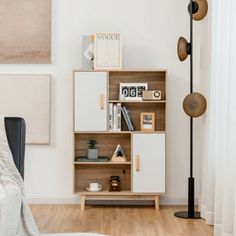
x=92, y=153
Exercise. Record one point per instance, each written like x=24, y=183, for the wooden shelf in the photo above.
x=121, y=193
x=149, y=132
x=119, y=101
x=122, y=70
x=120, y=132
x=103, y=132
x=102, y=163
x=105, y=192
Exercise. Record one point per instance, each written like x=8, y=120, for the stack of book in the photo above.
x=115, y=111
x=128, y=119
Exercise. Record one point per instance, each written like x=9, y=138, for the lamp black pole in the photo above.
x=190, y=214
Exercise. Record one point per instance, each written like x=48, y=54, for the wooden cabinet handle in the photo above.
x=137, y=163
x=102, y=101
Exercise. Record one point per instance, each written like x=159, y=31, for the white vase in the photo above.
x=92, y=153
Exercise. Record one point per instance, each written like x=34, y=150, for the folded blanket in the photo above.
x=15, y=216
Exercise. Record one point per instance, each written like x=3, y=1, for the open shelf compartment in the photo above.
x=137, y=108
x=105, y=145
x=85, y=174
x=156, y=81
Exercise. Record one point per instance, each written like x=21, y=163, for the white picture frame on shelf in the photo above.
x=132, y=91
x=107, y=51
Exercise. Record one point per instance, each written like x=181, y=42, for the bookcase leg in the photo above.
x=82, y=202
x=157, y=203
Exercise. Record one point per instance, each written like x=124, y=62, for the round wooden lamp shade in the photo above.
x=200, y=8
x=183, y=49
x=195, y=105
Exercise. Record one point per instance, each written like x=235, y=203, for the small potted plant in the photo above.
x=92, y=151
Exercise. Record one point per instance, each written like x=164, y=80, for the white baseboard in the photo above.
x=76, y=200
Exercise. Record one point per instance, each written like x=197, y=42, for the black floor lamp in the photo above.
x=194, y=103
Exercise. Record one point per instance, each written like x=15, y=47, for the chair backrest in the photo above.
x=15, y=129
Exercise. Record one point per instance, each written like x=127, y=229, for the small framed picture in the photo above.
x=147, y=121
x=107, y=51
x=132, y=91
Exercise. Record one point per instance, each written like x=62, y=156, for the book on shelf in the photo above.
x=131, y=120
x=128, y=119
x=115, y=117
x=115, y=120
x=118, y=117
x=111, y=123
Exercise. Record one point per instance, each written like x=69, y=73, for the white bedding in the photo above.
x=10, y=208
x=15, y=216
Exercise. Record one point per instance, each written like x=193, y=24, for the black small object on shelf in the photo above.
x=114, y=184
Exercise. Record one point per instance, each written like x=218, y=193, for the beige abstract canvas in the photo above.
x=28, y=96
x=25, y=27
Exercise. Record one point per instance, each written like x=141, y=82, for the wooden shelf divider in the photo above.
x=103, y=163
x=119, y=101
x=120, y=132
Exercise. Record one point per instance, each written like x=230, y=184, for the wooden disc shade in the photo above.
x=195, y=105
x=200, y=8
x=182, y=49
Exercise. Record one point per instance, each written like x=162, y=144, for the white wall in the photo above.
x=150, y=30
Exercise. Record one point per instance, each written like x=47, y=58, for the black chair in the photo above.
x=15, y=129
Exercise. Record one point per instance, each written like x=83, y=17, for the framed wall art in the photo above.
x=28, y=96
x=25, y=28
x=132, y=91
x=107, y=51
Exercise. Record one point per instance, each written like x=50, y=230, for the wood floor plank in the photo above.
x=117, y=221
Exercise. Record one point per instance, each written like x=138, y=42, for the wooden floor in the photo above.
x=117, y=221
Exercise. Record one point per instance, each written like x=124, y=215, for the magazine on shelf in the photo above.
x=115, y=117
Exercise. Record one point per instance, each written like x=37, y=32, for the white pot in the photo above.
x=92, y=153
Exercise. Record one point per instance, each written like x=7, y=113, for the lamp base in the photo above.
x=186, y=215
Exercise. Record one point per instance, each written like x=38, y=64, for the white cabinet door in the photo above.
x=90, y=101
x=148, y=163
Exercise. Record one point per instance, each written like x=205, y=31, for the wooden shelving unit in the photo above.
x=87, y=172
